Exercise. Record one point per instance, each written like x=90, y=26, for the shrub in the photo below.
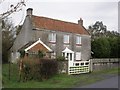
x=60, y=58
x=22, y=53
x=49, y=67
x=39, y=69
x=41, y=54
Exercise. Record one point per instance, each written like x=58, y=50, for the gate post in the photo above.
x=91, y=65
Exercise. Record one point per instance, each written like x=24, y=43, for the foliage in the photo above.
x=40, y=54
x=48, y=68
x=58, y=81
x=22, y=53
x=106, y=47
x=7, y=38
x=115, y=47
x=97, y=30
x=104, y=43
x=39, y=69
x=60, y=58
x=101, y=48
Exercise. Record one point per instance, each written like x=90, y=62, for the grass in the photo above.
x=57, y=81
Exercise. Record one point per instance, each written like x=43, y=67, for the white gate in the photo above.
x=79, y=67
x=76, y=67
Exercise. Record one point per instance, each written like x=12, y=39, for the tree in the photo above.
x=7, y=38
x=104, y=43
x=18, y=28
x=101, y=48
x=115, y=46
x=97, y=30
x=7, y=29
x=12, y=8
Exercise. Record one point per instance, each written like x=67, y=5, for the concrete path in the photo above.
x=107, y=83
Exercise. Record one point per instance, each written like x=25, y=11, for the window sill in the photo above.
x=78, y=44
x=66, y=43
x=52, y=42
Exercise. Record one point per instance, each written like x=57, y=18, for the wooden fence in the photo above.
x=80, y=67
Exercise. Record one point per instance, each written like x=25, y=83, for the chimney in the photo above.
x=80, y=22
x=29, y=11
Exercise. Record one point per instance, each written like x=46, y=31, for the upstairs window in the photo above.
x=52, y=37
x=66, y=39
x=78, y=40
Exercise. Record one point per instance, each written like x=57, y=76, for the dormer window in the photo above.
x=78, y=40
x=52, y=37
x=66, y=39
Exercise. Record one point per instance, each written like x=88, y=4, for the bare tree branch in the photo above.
x=13, y=8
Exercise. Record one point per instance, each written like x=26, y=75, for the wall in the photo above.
x=25, y=35
x=59, y=46
x=99, y=64
x=63, y=65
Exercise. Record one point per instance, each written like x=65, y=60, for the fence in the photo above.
x=105, y=63
x=80, y=67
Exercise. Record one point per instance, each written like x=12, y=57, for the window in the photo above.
x=78, y=40
x=52, y=37
x=66, y=38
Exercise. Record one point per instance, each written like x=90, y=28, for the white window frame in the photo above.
x=66, y=39
x=52, y=37
x=78, y=40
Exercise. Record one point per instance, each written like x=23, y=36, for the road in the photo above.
x=107, y=83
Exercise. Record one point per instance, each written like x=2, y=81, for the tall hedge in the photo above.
x=106, y=47
x=39, y=69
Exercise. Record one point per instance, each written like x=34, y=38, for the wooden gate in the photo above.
x=79, y=67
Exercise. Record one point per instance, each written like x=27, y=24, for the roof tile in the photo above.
x=57, y=25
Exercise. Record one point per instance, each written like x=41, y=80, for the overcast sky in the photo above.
x=71, y=11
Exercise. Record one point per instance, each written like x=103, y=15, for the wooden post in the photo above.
x=9, y=70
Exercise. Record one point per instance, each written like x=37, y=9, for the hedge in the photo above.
x=39, y=69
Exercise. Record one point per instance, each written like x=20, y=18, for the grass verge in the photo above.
x=58, y=81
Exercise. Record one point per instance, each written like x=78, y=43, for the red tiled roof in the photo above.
x=58, y=25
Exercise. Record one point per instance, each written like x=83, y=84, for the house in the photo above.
x=53, y=37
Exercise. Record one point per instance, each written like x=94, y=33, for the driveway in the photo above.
x=107, y=83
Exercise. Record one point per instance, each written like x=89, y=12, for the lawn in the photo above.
x=57, y=81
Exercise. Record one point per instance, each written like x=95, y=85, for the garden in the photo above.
x=54, y=81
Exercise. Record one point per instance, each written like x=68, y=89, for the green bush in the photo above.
x=48, y=68
x=41, y=54
x=60, y=58
x=39, y=69
x=22, y=53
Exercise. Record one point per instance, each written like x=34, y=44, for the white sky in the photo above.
x=70, y=10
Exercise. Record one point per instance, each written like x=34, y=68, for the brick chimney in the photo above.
x=80, y=22
x=29, y=11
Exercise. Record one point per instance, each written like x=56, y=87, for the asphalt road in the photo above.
x=107, y=83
